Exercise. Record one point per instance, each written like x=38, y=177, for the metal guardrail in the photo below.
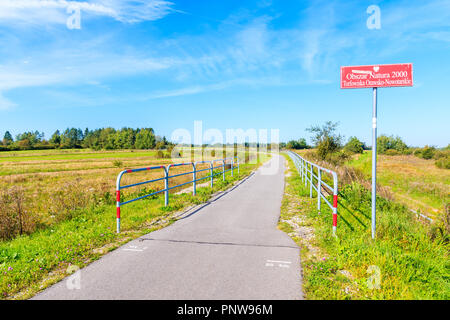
x=167, y=176
x=307, y=175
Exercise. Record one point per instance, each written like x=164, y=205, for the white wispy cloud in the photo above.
x=56, y=11
x=5, y=104
x=246, y=54
x=138, y=10
x=247, y=82
x=249, y=51
x=71, y=67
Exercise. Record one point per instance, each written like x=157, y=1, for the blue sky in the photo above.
x=232, y=64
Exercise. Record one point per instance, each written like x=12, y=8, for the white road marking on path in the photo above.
x=275, y=261
x=134, y=248
x=281, y=264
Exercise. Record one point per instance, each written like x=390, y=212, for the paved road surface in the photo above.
x=228, y=248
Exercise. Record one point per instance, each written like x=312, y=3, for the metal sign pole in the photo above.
x=374, y=161
x=376, y=76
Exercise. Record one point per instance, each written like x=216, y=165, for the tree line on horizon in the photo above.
x=329, y=146
x=98, y=139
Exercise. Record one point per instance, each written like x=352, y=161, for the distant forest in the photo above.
x=71, y=138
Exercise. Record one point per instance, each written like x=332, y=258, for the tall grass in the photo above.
x=415, y=182
x=56, y=185
x=412, y=257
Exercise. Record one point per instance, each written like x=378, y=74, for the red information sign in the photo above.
x=386, y=75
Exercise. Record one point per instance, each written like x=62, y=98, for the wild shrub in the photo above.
x=327, y=146
x=160, y=154
x=389, y=142
x=354, y=145
x=428, y=152
x=418, y=153
x=337, y=158
x=440, y=154
x=442, y=157
x=160, y=145
x=117, y=163
x=391, y=152
x=325, y=139
x=440, y=229
x=15, y=217
x=408, y=151
x=334, y=159
x=443, y=163
x=296, y=144
x=67, y=200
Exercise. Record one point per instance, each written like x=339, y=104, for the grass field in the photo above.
x=57, y=181
x=75, y=206
x=409, y=180
x=414, y=182
x=408, y=259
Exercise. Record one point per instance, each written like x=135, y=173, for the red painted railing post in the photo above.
x=118, y=210
x=335, y=202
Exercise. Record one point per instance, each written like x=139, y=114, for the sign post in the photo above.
x=374, y=162
x=376, y=76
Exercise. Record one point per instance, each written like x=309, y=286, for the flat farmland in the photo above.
x=414, y=182
x=56, y=181
x=417, y=183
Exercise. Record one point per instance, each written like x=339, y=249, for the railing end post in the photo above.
x=118, y=209
x=194, y=184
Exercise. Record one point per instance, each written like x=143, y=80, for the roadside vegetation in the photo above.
x=415, y=177
x=408, y=260
x=41, y=188
x=409, y=255
x=412, y=181
x=53, y=220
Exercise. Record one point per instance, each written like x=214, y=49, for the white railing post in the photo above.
x=335, y=201
x=311, y=180
x=232, y=167
x=166, y=187
x=194, y=176
x=306, y=172
x=319, y=176
x=212, y=173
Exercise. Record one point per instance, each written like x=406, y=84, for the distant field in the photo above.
x=72, y=154
x=56, y=180
x=12, y=163
x=415, y=182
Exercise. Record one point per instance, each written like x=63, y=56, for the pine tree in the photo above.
x=7, y=139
